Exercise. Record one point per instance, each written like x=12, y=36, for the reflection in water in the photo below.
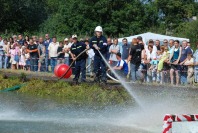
x=25, y=114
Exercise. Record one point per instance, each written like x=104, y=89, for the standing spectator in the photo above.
x=90, y=58
x=152, y=64
x=157, y=44
x=113, y=50
x=22, y=58
x=41, y=54
x=125, y=49
x=195, y=55
x=171, y=46
x=33, y=50
x=12, y=54
x=135, y=58
x=99, y=44
x=46, y=43
x=165, y=43
x=1, y=52
x=164, y=58
x=66, y=49
x=183, y=69
x=53, y=47
x=14, y=38
x=10, y=41
x=35, y=40
x=20, y=39
x=174, y=60
x=190, y=46
x=109, y=43
x=27, y=39
x=80, y=66
x=60, y=52
x=189, y=62
x=7, y=55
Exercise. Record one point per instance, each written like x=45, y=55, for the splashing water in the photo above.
x=123, y=82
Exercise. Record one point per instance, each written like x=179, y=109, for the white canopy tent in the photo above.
x=147, y=36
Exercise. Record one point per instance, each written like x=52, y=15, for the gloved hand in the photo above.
x=96, y=47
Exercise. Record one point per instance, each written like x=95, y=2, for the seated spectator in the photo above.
x=121, y=68
x=113, y=50
x=189, y=62
x=60, y=52
x=174, y=60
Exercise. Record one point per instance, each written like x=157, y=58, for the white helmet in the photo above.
x=98, y=28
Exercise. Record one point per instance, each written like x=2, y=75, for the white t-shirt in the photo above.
x=67, y=46
x=112, y=55
x=151, y=56
x=90, y=53
x=53, y=47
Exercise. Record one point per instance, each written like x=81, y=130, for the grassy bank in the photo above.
x=64, y=91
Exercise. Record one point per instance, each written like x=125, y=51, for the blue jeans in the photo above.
x=134, y=72
x=80, y=67
x=6, y=62
x=53, y=62
x=89, y=63
x=1, y=59
x=34, y=64
x=67, y=61
x=47, y=62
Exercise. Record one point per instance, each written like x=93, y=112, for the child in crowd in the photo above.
x=12, y=54
x=189, y=62
x=27, y=60
x=164, y=57
x=22, y=58
x=17, y=54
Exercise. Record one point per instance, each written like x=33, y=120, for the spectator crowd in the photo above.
x=153, y=61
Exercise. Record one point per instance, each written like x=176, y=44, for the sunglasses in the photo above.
x=165, y=42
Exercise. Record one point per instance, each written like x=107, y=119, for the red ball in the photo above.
x=60, y=69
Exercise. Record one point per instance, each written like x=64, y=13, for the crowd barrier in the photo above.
x=165, y=72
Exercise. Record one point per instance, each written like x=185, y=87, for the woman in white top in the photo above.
x=151, y=71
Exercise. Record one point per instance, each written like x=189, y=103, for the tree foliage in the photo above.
x=117, y=17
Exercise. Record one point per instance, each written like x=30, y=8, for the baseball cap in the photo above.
x=74, y=36
x=66, y=39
